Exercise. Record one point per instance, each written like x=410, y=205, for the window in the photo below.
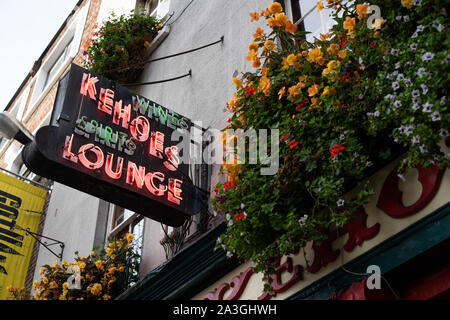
x=313, y=21
x=58, y=63
x=125, y=221
x=158, y=8
x=64, y=50
x=3, y=142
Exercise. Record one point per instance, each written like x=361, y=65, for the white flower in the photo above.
x=406, y=18
x=407, y=82
x=447, y=59
x=398, y=18
x=423, y=149
x=227, y=216
x=417, y=2
x=420, y=28
x=397, y=103
x=395, y=52
x=400, y=77
x=435, y=116
x=415, y=139
x=413, y=46
x=376, y=113
x=361, y=96
x=389, y=97
x=302, y=220
x=415, y=93
x=242, y=206
x=427, y=56
x=443, y=100
x=408, y=130
x=395, y=85
x=443, y=133
x=340, y=202
x=414, y=35
x=398, y=65
x=219, y=240
x=421, y=72
x=229, y=254
x=416, y=106
x=424, y=88
x=426, y=107
x=369, y=163
x=230, y=223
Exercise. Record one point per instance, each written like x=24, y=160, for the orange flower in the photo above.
x=264, y=85
x=285, y=64
x=253, y=46
x=362, y=9
x=270, y=45
x=349, y=23
x=291, y=59
x=254, y=16
x=281, y=93
x=259, y=33
x=275, y=8
x=325, y=36
x=252, y=56
x=319, y=5
x=313, y=90
x=256, y=63
x=290, y=27
x=264, y=70
x=294, y=91
x=272, y=22
x=333, y=49
x=237, y=82
x=315, y=55
x=281, y=19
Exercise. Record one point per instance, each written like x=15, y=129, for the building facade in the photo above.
x=181, y=262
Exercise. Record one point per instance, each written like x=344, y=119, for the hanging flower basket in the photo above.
x=117, y=49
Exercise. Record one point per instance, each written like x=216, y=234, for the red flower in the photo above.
x=293, y=144
x=344, y=77
x=228, y=185
x=373, y=45
x=249, y=91
x=343, y=42
x=336, y=149
x=216, y=190
x=299, y=106
x=239, y=216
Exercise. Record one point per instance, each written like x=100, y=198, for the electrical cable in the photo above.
x=132, y=65
x=185, y=8
x=159, y=81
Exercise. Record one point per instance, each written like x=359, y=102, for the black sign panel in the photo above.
x=116, y=145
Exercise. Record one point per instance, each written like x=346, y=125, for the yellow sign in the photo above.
x=19, y=202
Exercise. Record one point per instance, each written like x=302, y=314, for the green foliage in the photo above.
x=350, y=100
x=121, y=41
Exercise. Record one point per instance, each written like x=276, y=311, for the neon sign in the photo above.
x=115, y=144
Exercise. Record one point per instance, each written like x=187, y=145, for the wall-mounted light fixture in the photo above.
x=11, y=128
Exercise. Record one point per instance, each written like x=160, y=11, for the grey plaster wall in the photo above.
x=72, y=217
x=203, y=96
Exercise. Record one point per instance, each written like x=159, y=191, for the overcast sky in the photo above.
x=26, y=28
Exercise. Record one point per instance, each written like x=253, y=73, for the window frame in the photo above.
x=73, y=36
